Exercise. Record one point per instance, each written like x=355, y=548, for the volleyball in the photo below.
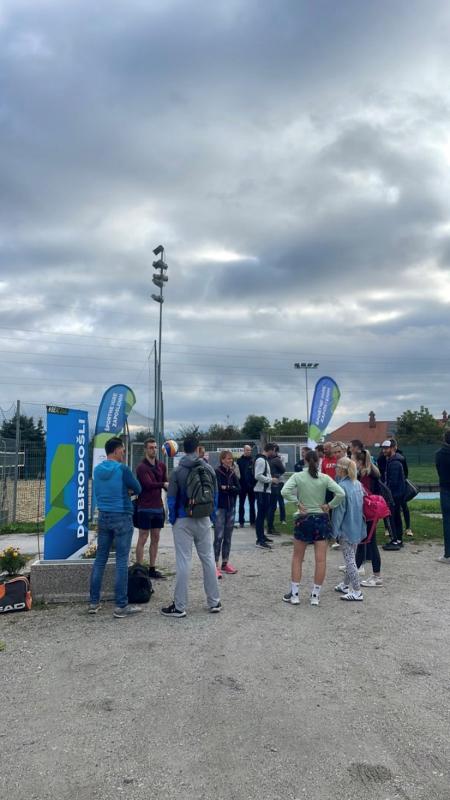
x=170, y=448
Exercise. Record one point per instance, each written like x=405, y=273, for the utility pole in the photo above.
x=159, y=279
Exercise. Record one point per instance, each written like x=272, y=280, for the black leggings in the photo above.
x=405, y=510
x=366, y=552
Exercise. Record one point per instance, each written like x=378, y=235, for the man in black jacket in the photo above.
x=394, y=477
x=247, y=481
x=277, y=469
x=442, y=460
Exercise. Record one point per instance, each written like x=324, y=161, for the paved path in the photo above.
x=265, y=701
x=243, y=538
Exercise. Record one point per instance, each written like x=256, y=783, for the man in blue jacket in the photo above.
x=113, y=484
x=394, y=478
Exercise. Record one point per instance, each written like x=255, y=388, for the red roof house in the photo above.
x=369, y=433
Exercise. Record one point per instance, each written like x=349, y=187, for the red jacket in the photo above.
x=329, y=466
x=152, y=479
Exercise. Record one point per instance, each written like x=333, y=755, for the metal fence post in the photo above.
x=16, y=463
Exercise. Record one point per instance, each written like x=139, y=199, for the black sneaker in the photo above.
x=267, y=540
x=241, y=525
x=264, y=545
x=391, y=546
x=172, y=611
x=155, y=574
x=215, y=609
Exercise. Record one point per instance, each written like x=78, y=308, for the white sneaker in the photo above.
x=443, y=559
x=314, y=600
x=335, y=546
x=361, y=570
x=372, y=581
x=291, y=598
x=353, y=596
x=341, y=587
x=409, y=532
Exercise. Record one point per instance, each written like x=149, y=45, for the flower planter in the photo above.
x=67, y=581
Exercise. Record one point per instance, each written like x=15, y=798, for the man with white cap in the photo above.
x=394, y=477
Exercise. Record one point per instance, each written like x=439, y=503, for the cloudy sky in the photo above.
x=293, y=157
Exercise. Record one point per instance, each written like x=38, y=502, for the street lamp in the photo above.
x=306, y=365
x=159, y=279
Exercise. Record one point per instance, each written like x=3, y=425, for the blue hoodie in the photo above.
x=111, y=483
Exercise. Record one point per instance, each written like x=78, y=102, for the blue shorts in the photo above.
x=313, y=528
x=149, y=519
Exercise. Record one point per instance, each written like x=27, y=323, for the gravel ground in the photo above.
x=264, y=700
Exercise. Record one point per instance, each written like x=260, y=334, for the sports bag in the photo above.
x=199, y=491
x=15, y=595
x=140, y=587
x=410, y=491
x=375, y=507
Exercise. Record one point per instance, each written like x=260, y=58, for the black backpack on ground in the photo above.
x=199, y=491
x=139, y=584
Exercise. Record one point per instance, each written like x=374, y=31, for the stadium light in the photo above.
x=159, y=279
x=306, y=366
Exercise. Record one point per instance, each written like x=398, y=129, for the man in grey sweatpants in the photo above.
x=188, y=531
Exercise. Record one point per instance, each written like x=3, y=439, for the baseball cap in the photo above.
x=386, y=443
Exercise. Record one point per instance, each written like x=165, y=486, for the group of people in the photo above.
x=328, y=486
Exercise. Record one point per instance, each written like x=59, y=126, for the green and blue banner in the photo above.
x=325, y=400
x=67, y=477
x=113, y=412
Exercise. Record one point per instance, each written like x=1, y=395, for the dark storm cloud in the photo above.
x=293, y=157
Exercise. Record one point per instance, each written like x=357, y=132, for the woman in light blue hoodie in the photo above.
x=349, y=527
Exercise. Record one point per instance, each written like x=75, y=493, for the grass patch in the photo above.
x=423, y=473
x=22, y=527
x=425, y=506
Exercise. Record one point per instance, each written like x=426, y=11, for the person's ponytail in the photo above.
x=312, y=459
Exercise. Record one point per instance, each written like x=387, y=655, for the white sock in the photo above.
x=295, y=588
x=316, y=589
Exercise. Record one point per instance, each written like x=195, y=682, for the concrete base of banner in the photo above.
x=68, y=581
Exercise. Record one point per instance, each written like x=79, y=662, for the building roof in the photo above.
x=368, y=434
x=371, y=432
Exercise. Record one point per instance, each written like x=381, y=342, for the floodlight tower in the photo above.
x=159, y=279
x=306, y=365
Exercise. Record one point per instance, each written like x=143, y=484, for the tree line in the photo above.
x=412, y=427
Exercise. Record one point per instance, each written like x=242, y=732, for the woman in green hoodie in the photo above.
x=312, y=525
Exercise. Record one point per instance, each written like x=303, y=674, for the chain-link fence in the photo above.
x=22, y=476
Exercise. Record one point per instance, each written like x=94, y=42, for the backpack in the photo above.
x=199, y=492
x=139, y=584
x=15, y=595
x=266, y=470
x=375, y=507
